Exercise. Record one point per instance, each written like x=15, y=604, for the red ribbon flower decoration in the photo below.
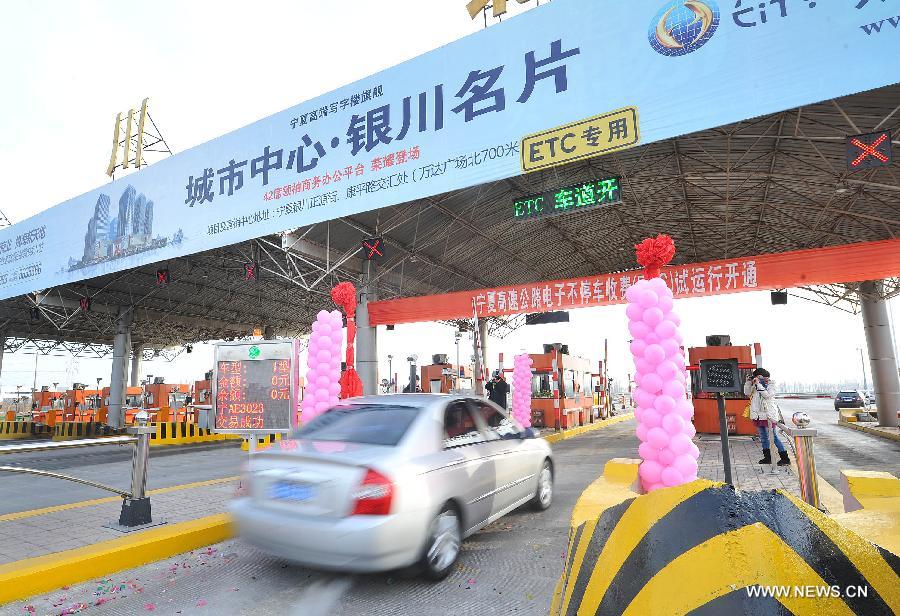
x=654, y=253
x=344, y=295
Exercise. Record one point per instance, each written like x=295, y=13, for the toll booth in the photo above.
x=706, y=414
x=46, y=403
x=442, y=377
x=158, y=399
x=134, y=397
x=203, y=390
x=561, y=389
x=79, y=404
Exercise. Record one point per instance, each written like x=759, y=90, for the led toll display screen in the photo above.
x=576, y=198
x=253, y=395
x=720, y=376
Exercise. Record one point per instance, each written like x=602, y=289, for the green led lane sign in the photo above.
x=584, y=196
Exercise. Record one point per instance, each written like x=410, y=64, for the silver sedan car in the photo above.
x=388, y=482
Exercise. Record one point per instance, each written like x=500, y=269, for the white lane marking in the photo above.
x=320, y=598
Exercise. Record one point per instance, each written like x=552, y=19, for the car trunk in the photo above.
x=312, y=478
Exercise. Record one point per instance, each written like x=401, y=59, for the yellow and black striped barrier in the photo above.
x=74, y=430
x=705, y=548
x=12, y=430
x=262, y=441
x=182, y=433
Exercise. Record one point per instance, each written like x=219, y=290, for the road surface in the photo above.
x=110, y=465
x=510, y=567
x=837, y=448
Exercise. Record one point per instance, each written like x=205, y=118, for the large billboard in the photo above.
x=455, y=117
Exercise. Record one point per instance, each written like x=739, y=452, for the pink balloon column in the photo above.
x=522, y=389
x=323, y=375
x=669, y=456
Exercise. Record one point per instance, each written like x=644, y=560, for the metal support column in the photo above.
x=882, y=360
x=116, y=416
x=366, y=342
x=136, y=361
x=2, y=346
x=478, y=377
x=483, y=337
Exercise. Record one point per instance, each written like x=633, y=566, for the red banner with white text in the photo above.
x=836, y=264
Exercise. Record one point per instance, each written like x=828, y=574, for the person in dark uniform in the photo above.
x=409, y=387
x=497, y=389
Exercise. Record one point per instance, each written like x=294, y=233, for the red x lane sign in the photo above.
x=251, y=272
x=373, y=248
x=869, y=151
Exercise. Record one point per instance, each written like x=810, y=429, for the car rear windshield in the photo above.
x=848, y=393
x=371, y=424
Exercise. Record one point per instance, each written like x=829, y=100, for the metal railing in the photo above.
x=135, y=503
x=34, y=447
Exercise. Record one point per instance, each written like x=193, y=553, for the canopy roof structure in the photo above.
x=770, y=184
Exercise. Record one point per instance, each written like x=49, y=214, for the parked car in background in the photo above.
x=849, y=399
x=387, y=482
x=870, y=397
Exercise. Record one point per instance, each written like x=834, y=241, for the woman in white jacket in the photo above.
x=761, y=390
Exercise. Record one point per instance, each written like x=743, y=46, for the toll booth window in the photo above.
x=569, y=383
x=460, y=427
x=374, y=424
x=540, y=385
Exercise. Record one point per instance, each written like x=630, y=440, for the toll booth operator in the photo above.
x=497, y=389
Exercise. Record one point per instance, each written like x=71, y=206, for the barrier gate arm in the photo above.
x=40, y=473
x=135, y=503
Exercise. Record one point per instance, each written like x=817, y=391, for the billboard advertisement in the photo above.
x=456, y=117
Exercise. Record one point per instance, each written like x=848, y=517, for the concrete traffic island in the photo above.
x=872, y=428
x=704, y=544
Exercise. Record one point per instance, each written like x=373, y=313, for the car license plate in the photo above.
x=291, y=491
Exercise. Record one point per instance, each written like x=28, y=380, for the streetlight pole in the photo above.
x=99, y=397
x=457, y=375
x=391, y=374
x=863, y=364
x=36, y=356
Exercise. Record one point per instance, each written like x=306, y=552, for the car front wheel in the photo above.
x=543, y=497
x=442, y=547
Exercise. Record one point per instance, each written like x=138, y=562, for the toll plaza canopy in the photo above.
x=539, y=149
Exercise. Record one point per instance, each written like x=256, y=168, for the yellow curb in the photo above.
x=25, y=578
x=567, y=434
x=110, y=499
x=855, y=426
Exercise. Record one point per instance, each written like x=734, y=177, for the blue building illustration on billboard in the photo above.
x=128, y=233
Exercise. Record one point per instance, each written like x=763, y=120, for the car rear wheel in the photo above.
x=442, y=547
x=543, y=497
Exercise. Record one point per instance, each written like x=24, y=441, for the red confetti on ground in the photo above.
x=150, y=607
x=201, y=603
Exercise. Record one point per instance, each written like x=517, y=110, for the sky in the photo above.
x=212, y=67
